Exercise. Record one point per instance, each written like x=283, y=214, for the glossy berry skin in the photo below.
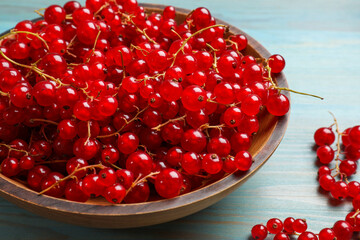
x=85, y=148
x=233, y=116
x=75, y=164
x=281, y=236
x=324, y=136
x=326, y=234
x=343, y=230
x=300, y=225
x=128, y=143
x=73, y=191
x=140, y=193
x=191, y=163
x=168, y=183
x=193, y=98
x=259, y=232
x=107, y=177
x=278, y=104
x=50, y=179
x=289, y=225
x=354, y=219
x=220, y=146
x=243, y=160
x=340, y=190
x=326, y=182
x=54, y=14
x=276, y=63
x=307, y=236
x=67, y=129
x=251, y=105
x=125, y=177
x=348, y=167
x=325, y=154
x=140, y=163
x=354, y=136
x=211, y=163
x=10, y=167
x=35, y=176
x=274, y=225
x=354, y=188
x=193, y=140
x=115, y=193
x=91, y=186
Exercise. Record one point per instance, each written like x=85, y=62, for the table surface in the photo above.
x=320, y=40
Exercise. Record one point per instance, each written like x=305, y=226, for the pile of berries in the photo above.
x=345, y=156
x=108, y=100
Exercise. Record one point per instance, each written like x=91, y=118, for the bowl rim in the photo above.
x=9, y=188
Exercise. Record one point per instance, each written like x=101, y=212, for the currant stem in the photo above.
x=72, y=175
x=287, y=89
x=14, y=149
x=43, y=120
x=207, y=126
x=33, y=34
x=188, y=39
x=4, y=94
x=93, y=49
x=126, y=123
x=337, y=159
x=139, y=30
x=35, y=69
x=140, y=180
x=158, y=127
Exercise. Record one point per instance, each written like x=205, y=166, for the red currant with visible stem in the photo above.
x=115, y=193
x=139, y=193
x=278, y=104
x=345, y=137
x=354, y=219
x=140, y=163
x=243, y=160
x=274, y=225
x=324, y=136
x=339, y=190
x=300, y=225
x=172, y=133
x=168, y=183
x=211, y=163
x=259, y=232
x=229, y=165
x=276, y=63
x=74, y=164
x=125, y=177
x=73, y=191
x=240, y=42
x=56, y=191
x=87, y=32
x=86, y=148
x=8, y=79
x=307, y=236
x=325, y=154
x=281, y=236
x=327, y=234
x=53, y=64
x=343, y=230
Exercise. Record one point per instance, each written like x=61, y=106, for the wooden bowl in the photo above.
x=100, y=214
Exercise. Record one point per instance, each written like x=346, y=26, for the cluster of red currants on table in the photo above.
x=109, y=100
x=345, y=156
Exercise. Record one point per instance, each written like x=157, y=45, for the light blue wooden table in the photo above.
x=320, y=40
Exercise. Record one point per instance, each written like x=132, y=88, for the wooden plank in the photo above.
x=320, y=41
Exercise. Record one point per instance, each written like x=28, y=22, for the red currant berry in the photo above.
x=259, y=232
x=274, y=225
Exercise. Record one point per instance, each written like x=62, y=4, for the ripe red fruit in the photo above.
x=168, y=183
x=259, y=232
x=324, y=136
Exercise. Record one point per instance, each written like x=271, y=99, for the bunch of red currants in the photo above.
x=107, y=100
x=348, y=145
